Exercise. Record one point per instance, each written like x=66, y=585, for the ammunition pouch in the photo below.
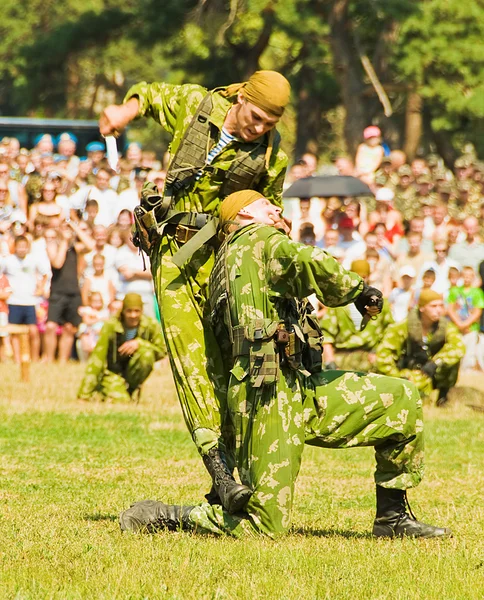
x=312, y=356
x=190, y=230
x=268, y=345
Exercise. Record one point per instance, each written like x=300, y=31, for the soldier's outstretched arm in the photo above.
x=116, y=117
x=297, y=270
x=172, y=106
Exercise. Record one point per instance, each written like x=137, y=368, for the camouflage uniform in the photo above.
x=117, y=377
x=393, y=357
x=334, y=409
x=461, y=209
x=197, y=364
x=351, y=345
x=406, y=202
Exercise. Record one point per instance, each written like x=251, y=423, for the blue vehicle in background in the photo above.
x=27, y=129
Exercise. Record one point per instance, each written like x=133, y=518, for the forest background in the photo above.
x=413, y=67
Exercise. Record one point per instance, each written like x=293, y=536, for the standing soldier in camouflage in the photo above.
x=406, y=194
x=125, y=353
x=223, y=140
x=279, y=398
x=346, y=345
x=426, y=348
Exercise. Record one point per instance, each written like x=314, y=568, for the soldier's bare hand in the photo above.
x=114, y=118
x=128, y=348
x=373, y=310
x=284, y=224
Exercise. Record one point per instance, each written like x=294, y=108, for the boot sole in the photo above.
x=390, y=534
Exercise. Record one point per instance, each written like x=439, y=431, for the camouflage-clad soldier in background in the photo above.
x=275, y=403
x=406, y=194
x=346, y=345
x=426, y=348
x=222, y=141
x=125, y=353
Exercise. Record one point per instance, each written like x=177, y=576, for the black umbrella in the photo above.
x=325, y=187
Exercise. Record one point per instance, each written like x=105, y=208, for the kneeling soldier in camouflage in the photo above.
x=278, y=397
x=124, y=356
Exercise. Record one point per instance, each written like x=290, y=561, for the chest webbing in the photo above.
x=191, y=157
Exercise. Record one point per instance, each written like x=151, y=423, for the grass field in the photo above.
x=69, y=468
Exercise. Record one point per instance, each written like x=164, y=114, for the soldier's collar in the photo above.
x=221, y=107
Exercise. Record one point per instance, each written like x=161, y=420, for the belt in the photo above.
x=182, y=233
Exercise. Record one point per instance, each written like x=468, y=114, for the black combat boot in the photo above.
x=442, y=399
x=150, y=516
x=233, y=496
x=392, y=519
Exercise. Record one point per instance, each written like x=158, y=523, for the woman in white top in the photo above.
x=99, y=282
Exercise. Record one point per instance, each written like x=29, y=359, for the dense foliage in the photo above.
x=69, y=59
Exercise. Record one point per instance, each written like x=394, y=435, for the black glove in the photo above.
x=331, y=366
x=370, y=296
x=429, y=368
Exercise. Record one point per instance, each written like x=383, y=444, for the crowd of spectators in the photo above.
x=66, y=254
x=423, y=227
x=67, y=258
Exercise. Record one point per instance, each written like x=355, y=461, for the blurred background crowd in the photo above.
x=67, y=258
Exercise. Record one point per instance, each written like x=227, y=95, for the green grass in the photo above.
x=68, y=469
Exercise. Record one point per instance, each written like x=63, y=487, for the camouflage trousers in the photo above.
x=195, y=358
x=445, y=377
x=118, y=387
x=335, y=409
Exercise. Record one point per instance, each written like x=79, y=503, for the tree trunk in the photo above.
x=413, y=124
x=349, y=73
x=444, y=147
x=309, y=123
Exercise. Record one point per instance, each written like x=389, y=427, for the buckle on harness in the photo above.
x=183, y=234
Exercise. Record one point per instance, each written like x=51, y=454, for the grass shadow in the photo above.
x=101, y=517
x=348, y=534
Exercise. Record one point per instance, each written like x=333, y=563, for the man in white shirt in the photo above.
x=106, y=198
x=27, y=274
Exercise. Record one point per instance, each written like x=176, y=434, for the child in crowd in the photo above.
x=454, y=276
x=91, y=212
x=93, y=317
x=465, y=304
x=114, y=237
x=428, y=280
x=401, y=297
x=369, y=155
x=99, y=281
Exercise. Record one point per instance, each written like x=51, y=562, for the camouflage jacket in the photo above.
x=339, y=329
x=267, y=271
x=394, y=344
x=105, y=355
x=173, y=106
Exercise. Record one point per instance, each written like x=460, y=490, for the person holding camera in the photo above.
x=65, y=252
